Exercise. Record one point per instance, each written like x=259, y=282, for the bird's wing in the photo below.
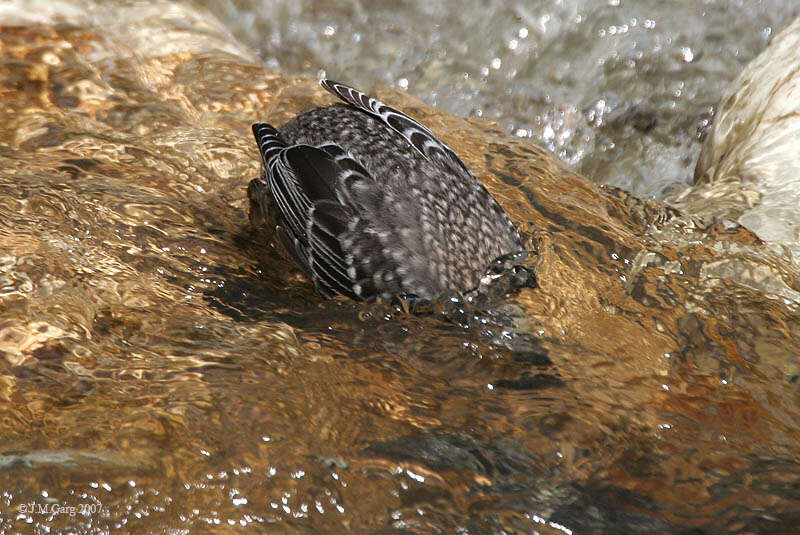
x=309, y=185
x=417, y=135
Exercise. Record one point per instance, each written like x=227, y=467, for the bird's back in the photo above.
x=417, y=221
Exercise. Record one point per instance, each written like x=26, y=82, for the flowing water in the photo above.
x=164, y=369
x=620, y=90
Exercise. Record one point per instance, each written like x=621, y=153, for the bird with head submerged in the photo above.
x=370, y=204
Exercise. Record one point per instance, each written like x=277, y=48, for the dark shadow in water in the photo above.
x=263, y=292
x=612, y=510
x=494, y=458
x=258, y=292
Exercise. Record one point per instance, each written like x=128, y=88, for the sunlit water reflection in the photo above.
x=164, y=369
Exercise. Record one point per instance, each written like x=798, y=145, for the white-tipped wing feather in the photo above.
x=305, y=184
x=417, y=134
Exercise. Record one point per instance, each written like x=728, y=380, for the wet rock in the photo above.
x=140, y=320
x=750, y=154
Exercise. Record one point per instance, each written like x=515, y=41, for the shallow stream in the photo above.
x=164, y=370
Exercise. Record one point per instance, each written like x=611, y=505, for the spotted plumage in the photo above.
x=371, y=204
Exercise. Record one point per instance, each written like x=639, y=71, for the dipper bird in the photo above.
x=370, y=204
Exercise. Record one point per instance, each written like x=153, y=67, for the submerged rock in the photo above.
x=141, y=318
